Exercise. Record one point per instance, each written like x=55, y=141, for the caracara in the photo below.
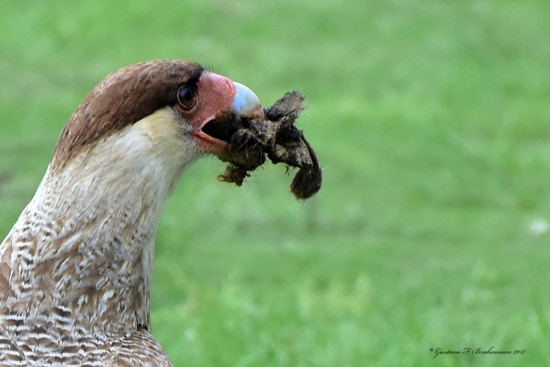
x=75, y=270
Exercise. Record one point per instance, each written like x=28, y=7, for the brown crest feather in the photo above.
x=121, y=99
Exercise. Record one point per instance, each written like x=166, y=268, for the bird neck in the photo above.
x=82, y=250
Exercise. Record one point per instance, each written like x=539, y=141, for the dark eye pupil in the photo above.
x=186, y=97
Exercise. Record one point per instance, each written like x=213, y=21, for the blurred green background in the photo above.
x=430, y=119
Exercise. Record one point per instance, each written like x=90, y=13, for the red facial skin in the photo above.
x=214, y=98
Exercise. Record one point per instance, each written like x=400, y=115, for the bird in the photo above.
x=75, y=269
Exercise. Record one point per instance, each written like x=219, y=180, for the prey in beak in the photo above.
x=228, y=120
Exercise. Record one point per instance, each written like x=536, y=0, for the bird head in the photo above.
x=171, y=109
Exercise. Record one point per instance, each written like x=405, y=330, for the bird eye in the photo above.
x=187, y=97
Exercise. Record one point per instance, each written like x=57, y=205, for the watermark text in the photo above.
x=475, y=351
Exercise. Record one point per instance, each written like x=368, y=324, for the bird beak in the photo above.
x=246, y=103
x=222, y=104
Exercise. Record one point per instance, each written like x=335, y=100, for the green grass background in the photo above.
x=431, y=120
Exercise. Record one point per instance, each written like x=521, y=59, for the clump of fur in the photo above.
x=277, y=138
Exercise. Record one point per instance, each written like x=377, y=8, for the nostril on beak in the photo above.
x=246, y=103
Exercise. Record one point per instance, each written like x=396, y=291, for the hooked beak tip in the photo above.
x=246, y=103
